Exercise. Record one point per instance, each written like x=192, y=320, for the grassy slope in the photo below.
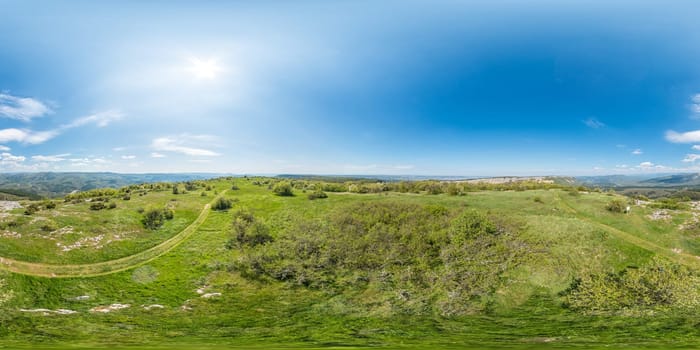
x=578, y=234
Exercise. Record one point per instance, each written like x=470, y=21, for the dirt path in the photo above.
x=105, y=267
x=688, y=260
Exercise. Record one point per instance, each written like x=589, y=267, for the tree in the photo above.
x=283, y=189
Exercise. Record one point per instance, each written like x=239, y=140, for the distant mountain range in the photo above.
x=649, y=180
x=50, y=184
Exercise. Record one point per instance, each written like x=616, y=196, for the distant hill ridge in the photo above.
x=53, y=184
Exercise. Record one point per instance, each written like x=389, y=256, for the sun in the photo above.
x=205, y=69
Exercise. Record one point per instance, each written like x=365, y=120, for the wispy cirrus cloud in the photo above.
x=22, y=108
x=100, y=119
x=190, y=145
x=594, y=123
x=637, y=152
x=51, y=159
x=28, y=136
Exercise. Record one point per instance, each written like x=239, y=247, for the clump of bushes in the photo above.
x=222, y=204
x=31, y=209
x=111, y=205
x=153, y=219
x=659, y=284
x=246, y=230
x=670, y=203
x=97, y=206
x=538, y=199
x=283, y=189
x=416, y=258
x=317, y=195
x=616, y=206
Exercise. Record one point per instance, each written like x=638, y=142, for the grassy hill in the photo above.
x=407, y=264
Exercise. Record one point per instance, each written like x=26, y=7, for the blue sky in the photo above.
x=473, y=88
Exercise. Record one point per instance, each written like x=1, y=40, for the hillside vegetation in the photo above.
x=289, y=262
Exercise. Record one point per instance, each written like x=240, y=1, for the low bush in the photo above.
x=153, y=219
x=283, y=189
x=616, y=206
x=222, y=204
x=317, y=195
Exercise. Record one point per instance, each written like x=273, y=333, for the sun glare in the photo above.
x=205, y=69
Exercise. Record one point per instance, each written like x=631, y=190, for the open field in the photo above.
x=372, y=269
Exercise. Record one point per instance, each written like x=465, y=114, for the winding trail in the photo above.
x=685, y=259
x=110, y=266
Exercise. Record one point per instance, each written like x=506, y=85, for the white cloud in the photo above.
x=645, y=165
x=4, y=148
x=691, y=158
x=695, y=106
x=54, y=158
x=8, y=157
x=696, y=147
x=26, y=136
x=32, y=137
x=21, y=108
x=118, y=149
x=185, y=144
x=100, y=119
x=637, y=152
x=593, y=123
x=685, y=137
x=129, y=157
x=157, y=155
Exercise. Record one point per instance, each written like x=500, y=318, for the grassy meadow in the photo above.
x=417, y=267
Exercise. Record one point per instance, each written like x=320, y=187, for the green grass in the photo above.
x=573, y=235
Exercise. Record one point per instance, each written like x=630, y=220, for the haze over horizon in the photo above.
x=393, y=88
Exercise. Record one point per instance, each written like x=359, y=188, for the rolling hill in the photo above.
x=239, y=262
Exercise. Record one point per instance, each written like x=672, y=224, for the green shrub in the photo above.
x=283, y=188
x=670, y=203
x=31, y=209
x=616, y=206
x=153, y=219
x=471, y=224
x=97, y=206
x=659, y=284
x=222, y=204
x=112, y=205
x=317, y=195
